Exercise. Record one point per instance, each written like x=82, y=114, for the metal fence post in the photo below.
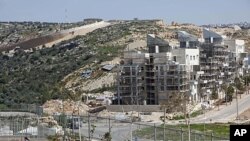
x=79, y=126
x=181, y=134
x=194, y=136
x=131, y=133
x=212, y=136
x=109, y=126
x=89, y=125
x=164, y=128
x=154, y=132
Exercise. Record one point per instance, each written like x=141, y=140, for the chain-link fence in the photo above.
x=122, y=129
x=153, y=132
x=85, y=128
x=18, y=127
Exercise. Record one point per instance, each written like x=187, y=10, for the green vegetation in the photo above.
x=194, y=114
x=37, y=77
x=238, y=84
x=214, y=94
x=173, y=131
x=104, y=88
x=218, y=129
x=230, y=92
x=107, y=137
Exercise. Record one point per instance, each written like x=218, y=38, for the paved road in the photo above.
x=225, y=113
x=82, y=30
x=119, y=131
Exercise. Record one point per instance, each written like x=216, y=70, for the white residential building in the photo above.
x=189, y=57
x=238, y=48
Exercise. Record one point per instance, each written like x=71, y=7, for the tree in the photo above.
x=174, y=103
x=178, y=102
x=238, y=84
x=3, y=78
x=230, y=92
x=214, y=94
x=107, y=137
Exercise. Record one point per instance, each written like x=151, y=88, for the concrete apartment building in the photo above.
x=194, y=69
x=152, y=77
x=237, y=48
x=188, y=53
x=212, y=57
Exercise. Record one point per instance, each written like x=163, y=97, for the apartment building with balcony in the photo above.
x=194, y=69
x=151, y=77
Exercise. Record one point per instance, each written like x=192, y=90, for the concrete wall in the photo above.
x=231, y=44
x=240, y=46
x=236, y=46
x=187, y=56
x=139, y=108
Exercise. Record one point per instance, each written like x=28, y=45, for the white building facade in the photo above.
x=189, y=57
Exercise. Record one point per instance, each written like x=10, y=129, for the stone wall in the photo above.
x=138, y=108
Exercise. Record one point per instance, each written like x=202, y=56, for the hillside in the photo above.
x=56, y=72
x=37, y=76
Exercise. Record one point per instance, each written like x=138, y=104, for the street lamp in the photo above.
x=236, y=76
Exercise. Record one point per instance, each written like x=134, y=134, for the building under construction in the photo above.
x=218, y=62
x=214, y=63
x=151, y=78
x=196, y=69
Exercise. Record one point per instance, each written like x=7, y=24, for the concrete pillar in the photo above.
x=211, y=39
x=187, y=43
x=156, y=49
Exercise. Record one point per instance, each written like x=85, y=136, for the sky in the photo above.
x=182, y=11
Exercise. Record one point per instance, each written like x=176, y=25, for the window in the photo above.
x=162, y=88
x=190, y=57
x=193, y=57
x=161, y=81
x=175, y=58
x=162, y=72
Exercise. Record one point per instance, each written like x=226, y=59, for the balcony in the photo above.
x=203, y=81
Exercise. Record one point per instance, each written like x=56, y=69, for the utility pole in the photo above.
x=131, y=134
x=218, y=96
x=64, y=124
x=237, y=108
x=164, y=134
x=189, y=130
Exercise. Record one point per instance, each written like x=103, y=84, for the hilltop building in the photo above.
x=194, y=69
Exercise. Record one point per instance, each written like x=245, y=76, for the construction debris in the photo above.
x=68, y=107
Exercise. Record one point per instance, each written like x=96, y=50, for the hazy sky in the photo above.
x=191, y=11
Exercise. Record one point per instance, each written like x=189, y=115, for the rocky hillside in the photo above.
x=40, y=75
x=56, y=72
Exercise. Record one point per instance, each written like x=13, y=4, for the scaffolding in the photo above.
x=150, y=78
x=217, y=65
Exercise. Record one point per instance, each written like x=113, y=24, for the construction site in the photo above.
x=194, y=69
x=151, y=77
